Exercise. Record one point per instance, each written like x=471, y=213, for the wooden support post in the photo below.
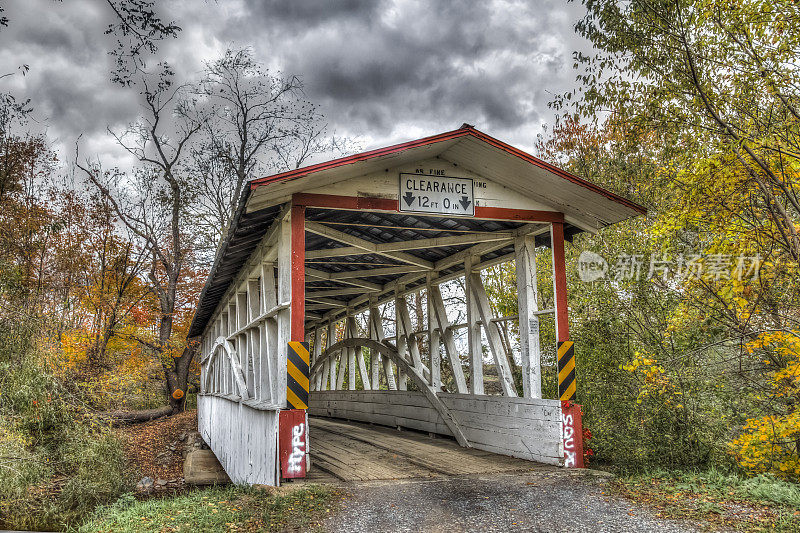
x=350, y=332
x=434, y=338
x=230, y=384
x=473, y=333
x=401, y=340
x=269, y=355
x=410, y=339
x=286, y=316
x=254, y=338
x=527, y=305
x=481, y=300
x=221, y=371
x=440, y=313
x=342, y=358
x=559, y=280
x=298, y=283
x=362, y=364
x=242, y=347
x=332, y=362
x=315, y=354
x=374, y=358
x=377, y=332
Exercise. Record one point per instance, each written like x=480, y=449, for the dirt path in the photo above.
x=529, y=501
x=407, y=481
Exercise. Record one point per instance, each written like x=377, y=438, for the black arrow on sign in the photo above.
x=409, y=198
x=465, y=201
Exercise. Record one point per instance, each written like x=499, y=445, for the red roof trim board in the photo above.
x=461, y=132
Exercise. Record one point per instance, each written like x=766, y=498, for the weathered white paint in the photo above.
x=360, y=244
x=387, y=185
x=244, y=363
x=414, y=375
x=528, y=428
x=528, y=306
x=434, y=338
x=474, y=343
x=244, y=375
x=443, y=324
x=481, y=303
x=243, y=438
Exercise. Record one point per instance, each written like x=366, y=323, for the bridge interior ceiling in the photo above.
x=355, y=271
x=332, y=257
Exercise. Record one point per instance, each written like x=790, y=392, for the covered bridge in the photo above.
x=315, y=252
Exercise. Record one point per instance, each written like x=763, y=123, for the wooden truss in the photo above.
x=276, y=298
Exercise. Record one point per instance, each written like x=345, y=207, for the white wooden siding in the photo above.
x=243, y=438
x=528, y=428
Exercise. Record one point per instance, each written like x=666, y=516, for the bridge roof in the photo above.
x=585, y=206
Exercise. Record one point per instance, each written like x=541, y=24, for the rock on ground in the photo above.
x=202, y=468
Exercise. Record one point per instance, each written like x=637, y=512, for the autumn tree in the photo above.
x=260, y=123
x=692, y=107
x=155, y=210
x=113, y=288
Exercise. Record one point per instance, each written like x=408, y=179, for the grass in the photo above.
x=233, y=508
x=720, y=499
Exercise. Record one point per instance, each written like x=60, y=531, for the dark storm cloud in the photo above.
x=432, y=65
x=312, y=12
x=379, y=70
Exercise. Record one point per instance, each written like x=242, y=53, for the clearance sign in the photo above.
x=445, y=195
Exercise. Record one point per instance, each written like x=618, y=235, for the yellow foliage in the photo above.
x=652, y=378
x=770, y=443
x=74, y=351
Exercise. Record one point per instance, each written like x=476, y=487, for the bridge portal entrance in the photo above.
x=356, y=289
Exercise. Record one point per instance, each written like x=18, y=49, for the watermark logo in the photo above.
x=591, y=266
x=707, y=267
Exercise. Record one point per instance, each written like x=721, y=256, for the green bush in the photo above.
x=55, y=465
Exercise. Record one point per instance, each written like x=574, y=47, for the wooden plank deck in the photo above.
x=353, y=451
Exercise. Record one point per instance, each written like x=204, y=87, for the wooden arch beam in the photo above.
x=391, y=353
x=236, y=366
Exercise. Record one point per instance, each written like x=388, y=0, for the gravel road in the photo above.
x=532, y=501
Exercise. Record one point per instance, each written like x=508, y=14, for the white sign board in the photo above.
x=446, y=195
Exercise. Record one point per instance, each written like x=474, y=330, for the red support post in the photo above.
x=298, y=305
x=571, y=419
x=559, y=280
x=293, y=443
x=572, y=434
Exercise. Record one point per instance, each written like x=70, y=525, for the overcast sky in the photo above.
x=381, y=71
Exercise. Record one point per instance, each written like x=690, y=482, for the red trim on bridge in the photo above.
x=559, y=281
x=358, y=203
x=298, y=306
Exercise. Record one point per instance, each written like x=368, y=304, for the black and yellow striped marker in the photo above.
x=297, y=375
x=566, y=371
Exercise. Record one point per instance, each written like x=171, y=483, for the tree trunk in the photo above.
x=177, y=378
x=121, y=418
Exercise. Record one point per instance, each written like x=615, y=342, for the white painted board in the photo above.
x=437, y=193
